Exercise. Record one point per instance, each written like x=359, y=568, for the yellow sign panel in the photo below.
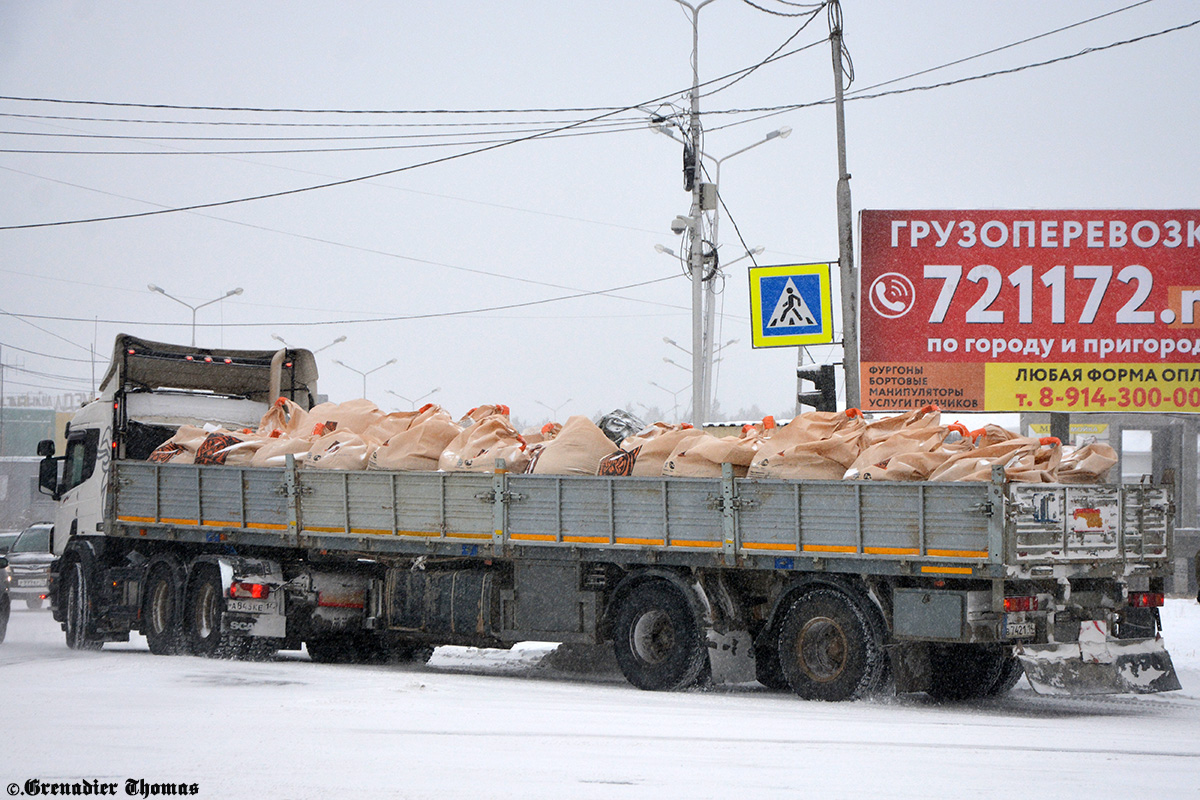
x=1093, y=387
x=791, y=305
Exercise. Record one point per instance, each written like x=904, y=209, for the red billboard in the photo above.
x=1030, y=310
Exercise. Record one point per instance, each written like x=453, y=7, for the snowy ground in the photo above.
x=483, y=724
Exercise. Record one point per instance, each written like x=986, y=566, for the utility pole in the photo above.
x=846, y=271
x=691, y=167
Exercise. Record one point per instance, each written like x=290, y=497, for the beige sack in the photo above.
x=576, y=450
x=1087, y=464
x=353, y=415
x=907, y=455
x=1025, y=460
x=477, y=447
x=341, y=449
x=228, y=448
x=703, y=455
x=654, y=445
x=274, y=451
x=878, y=430
x=180, y=448
x=537, y=435
x=285, y=419
x=820, y=459
x=418, y=448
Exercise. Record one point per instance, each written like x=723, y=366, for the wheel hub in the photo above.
x=821, y=649
x=652, y=637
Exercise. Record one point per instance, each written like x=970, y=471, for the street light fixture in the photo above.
x=554, y=409
x=194, y=309
x=674, y=395
x=419, y=399
x=338, y=340
x=364, y=374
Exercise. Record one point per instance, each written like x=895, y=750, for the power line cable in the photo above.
x=817, y=6
x=765, y=112
x=296, y=150
x=268, y=110
x=320, y=323
x=774, y=52
x=1001, y=48
x=359, y=248
x=360, y=178
x=46, y=355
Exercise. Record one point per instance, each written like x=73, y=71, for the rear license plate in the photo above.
x=31, y=583
x=1019, y=630
x=253, y=606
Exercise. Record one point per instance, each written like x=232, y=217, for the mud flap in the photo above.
x=1099, y=664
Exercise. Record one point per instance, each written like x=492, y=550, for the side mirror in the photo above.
x=45, y=448
x=48, y=476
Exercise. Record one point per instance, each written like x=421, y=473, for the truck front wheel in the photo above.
x=657, y=639
x=78, y=610
x=828, y=648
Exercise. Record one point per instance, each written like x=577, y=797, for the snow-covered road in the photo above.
x=483, y=724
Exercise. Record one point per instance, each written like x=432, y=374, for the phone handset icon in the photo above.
x=881, y=298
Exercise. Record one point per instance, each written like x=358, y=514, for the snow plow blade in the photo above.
x=1107, y=666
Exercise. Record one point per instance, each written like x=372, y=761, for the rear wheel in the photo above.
x=964, y=671
x=828, y=648
x=205, y=608
x=657, y=639
x=78, y=611
x=161, y=619
x=767, y=670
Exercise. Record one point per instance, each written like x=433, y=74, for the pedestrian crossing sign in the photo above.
x=791, y=305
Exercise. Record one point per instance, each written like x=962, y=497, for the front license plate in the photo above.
x=254, y=606
x=1019, y=630
x=31, y=583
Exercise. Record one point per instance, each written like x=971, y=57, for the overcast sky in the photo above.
x=541, y=220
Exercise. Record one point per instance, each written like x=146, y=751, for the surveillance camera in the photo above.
x=680, y=224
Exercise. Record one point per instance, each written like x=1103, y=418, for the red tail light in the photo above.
x=250, y=591
x=1146, y=599
x=1012, y=604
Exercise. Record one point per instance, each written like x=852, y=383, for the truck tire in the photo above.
x=657, y=639
x=829, y=649
x=767, y=670
x=78, y=611
x=5, y=610
x=162, y=623
x=968, y=671
x=1010, y=674
x=204, y=609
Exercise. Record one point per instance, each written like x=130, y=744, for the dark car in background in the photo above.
x=28, y=573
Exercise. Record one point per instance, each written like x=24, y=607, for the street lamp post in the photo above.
x=704, y=309
x=419, y=399
x=283, y=341
x=194, y=309
x=364, y=374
